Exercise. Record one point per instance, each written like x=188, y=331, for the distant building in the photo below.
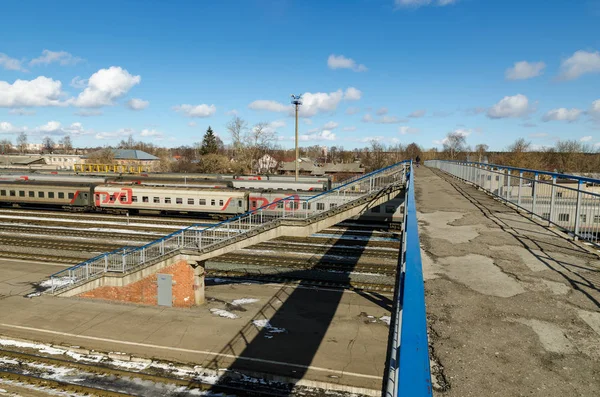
x=129, y=157
x=266, y=165
x=308, y=166
x=62, y=161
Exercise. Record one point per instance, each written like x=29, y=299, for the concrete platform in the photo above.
x=320, y=336
x=513, y=307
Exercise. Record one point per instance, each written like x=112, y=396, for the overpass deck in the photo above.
x=513, y=306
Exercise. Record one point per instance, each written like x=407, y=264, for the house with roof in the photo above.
x=128, y=157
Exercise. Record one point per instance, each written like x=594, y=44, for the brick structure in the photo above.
x=145, y=290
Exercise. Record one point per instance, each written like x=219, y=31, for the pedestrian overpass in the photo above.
x=408, y=372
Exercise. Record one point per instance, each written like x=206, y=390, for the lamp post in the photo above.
x=296, y=101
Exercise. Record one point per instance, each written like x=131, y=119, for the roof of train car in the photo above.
x=171, y=189
x=46, y=183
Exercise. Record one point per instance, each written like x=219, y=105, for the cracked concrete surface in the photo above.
x=513, y=307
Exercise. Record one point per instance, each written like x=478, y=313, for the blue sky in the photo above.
x=392, y=70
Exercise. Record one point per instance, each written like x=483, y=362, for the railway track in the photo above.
x=341, y=250
x=56, y=259
x=103, y=380
x=42, y=243
x=238, y=276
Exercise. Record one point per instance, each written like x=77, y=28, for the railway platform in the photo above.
x=513, y=306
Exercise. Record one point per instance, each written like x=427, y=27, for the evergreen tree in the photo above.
x=209, y=143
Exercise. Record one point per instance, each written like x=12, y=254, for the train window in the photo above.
x=332, y=205
x=61, y=195
x=31, y=194
x=178, y=201
x=294, y=205
x=134, y=199
x=157, y=200
x=583, y=218
x=41, y=194
x=563, y=217
x=212, y=202
x=71, y=196
x=2, y=192
x=191, y=201
x=167, y=200
x=145, y=199
x=221, y=203
x=390, y=209
x=280, y=204
x=304, y=206
x=320, y=206
x=240, y=203
x=376, y=209
x=253, y=203
x=202, y=201
x=50, y=194
x=21, y=193
x=13, y=193
x=596, y=218
x=559, y=194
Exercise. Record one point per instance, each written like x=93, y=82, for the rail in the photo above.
x=568, y=202
x=409, y=374
x=199, y=237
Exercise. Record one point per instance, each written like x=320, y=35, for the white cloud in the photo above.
x=62, y=57
x=388, y=120
x=367, y=118
x=232, y=112
x=382, y=111
x=137, y=104
x=563, y=114
x=460, y=131
x=56, y=128
x=21, y=112
x=341, y=62
x=79, y=83
x=418, y=113
x=105, y=86
x=352, y=110
x=324, y=135
x=352, y=94
x=524, y=70
x=404, y=130
x=580, y=63
x=192, y=124
x=42, y=91
x=312, y=103
x=351, y=128
x=509, y=106
x=8, y=128
x=146, y=133
x=332, y=125
x=202, y=110
x=595, y=109
x=88, y=113
x=9, y=63
x=421, y=3
x=586, y=138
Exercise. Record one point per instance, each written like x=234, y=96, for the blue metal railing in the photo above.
x=409, y=373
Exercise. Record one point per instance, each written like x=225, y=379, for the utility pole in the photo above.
x=296, y=101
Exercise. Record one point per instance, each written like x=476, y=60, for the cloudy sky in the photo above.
x=391, y=70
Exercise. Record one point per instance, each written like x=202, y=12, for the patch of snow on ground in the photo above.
x=244, y=301
x=57, y=282
x=386, y=319
x=224, y=313
x=348, y=237
x=47, y=391
x=3, y=391
x=270, y=329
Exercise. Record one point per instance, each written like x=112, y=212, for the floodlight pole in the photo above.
x=297, y=101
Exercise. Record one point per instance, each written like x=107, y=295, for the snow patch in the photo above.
x=224, y=313
x=268, y=327
x=386, y=319
x=244, y=301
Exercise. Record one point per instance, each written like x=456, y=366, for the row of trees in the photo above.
x=48, y=144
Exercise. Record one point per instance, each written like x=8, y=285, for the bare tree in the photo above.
x=413, y=150
x=454, y=144
x=5, y=146
x=102, y=156
x=47, y=144
x=67, y=144
x=22, y=141
x=481, y=149
x=237, y=128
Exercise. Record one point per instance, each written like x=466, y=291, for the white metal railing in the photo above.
x=568, y=202
x=199, y=237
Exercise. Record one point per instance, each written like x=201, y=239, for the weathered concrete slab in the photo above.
x=513, y=310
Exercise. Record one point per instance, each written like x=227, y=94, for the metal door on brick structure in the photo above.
x=165, y=289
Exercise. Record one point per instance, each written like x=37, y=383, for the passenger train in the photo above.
x=135, y=198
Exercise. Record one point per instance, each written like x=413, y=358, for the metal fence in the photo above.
x=409, y=373
x=199, y=237
x=568, y=202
